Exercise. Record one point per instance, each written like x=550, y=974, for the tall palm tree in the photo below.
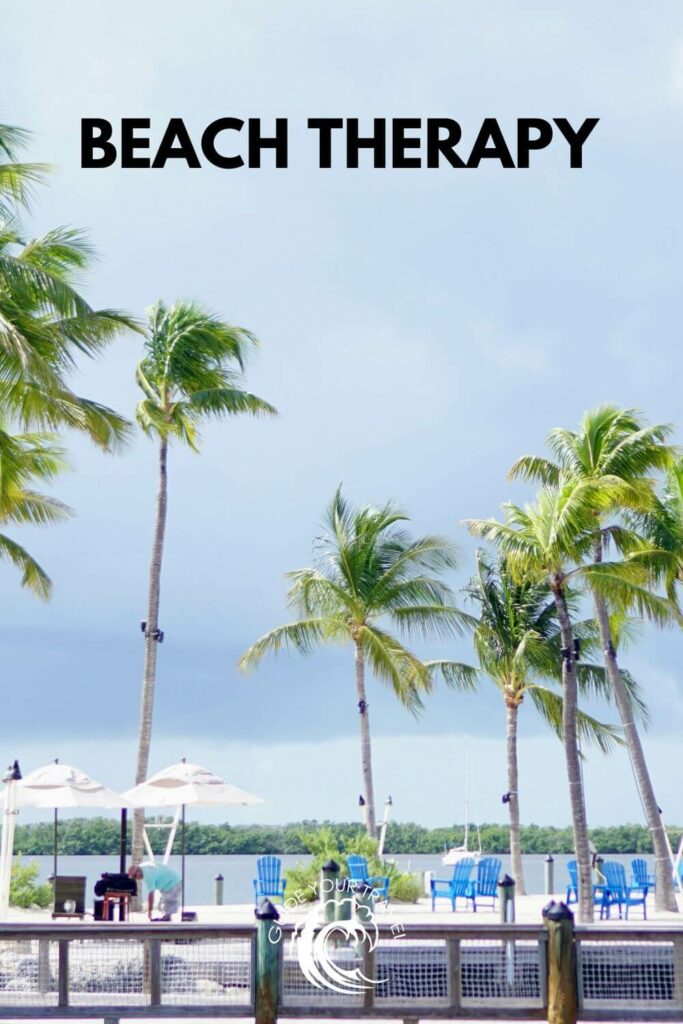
x=617, y=452
x=45, y=324
x=191, y=371
x=24, y=460
x=371, y=582
x=518, y=644
x=548, y=541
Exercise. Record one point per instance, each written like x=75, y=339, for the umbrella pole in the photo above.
x=54, y=849
x=123, y=841
x=182, y=866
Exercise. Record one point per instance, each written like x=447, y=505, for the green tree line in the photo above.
x=101, y=836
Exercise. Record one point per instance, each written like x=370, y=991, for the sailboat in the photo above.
x=456, y=853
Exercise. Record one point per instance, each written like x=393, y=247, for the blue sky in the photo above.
x=420, y=330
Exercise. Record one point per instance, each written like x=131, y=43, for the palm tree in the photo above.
x=16, y=179
x=24, y=459
x=45, y=324
x=371, y=582
x=616, y=451
x=547, y=542
x=517, y=641
x=191, y=371
x=662, y=526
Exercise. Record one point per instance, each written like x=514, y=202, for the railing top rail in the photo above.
x=389, y=929
x=116, y=930
x=640, y=933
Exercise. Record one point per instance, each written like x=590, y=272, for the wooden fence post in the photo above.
x=267, y=987
x=562, y=992
x=329, y=880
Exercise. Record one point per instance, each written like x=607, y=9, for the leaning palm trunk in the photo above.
x=572, y=757
x=512, y=709
x=366, y=749
x=665, y=898
x=151, y=644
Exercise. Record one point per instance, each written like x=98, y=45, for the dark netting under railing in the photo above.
x=627, y=973
x=492, y=971
x=28, y=972
x=107, y=972
x=335, y=979
x=412, y=971
x=127, y=971
x=209, y=972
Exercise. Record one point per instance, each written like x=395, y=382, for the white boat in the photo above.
x=457, y=853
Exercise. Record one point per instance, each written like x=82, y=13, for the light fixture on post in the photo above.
x=388, y=804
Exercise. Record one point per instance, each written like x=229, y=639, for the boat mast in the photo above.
x=467, y=799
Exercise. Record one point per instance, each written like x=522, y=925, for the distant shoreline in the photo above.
x=101, y=836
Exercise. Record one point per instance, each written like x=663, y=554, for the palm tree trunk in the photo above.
x=151, y=645
x=665, y=898
x=366, y=749
x=512, y=709
x=572, y=757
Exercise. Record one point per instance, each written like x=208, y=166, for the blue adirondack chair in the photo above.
x=640, y=875
x=485, y=885
x=360, y=872
x=269, y=882
x=573, y=888
x=619, y=893
x=452, y=888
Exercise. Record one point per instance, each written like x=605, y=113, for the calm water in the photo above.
x=238, y=872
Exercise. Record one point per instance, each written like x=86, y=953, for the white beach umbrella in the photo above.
x=184, y=783
x=61, y=785
x=56, y=786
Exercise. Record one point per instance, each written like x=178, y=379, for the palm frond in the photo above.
x=431, y=620
x=591, y=732
x=593, y=681
x=301, y=636
x=33, y=576
x=455, y=674
x=534, y=467
x=220, y=402
x=394, y=664
x=624, y=586
x=315, y=594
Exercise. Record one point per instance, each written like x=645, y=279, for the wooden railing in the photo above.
x=414, y=972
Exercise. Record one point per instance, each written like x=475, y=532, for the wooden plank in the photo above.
x=678, y=971
x=63, y=974
x=98, y=1012
x=154, y=972
x=116, y=930
x=43, y=966
x=454, y=979
x=369, y=972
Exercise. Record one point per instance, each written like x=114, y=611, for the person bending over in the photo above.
x=163, y=879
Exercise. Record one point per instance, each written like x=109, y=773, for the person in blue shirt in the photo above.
x=165, y=880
